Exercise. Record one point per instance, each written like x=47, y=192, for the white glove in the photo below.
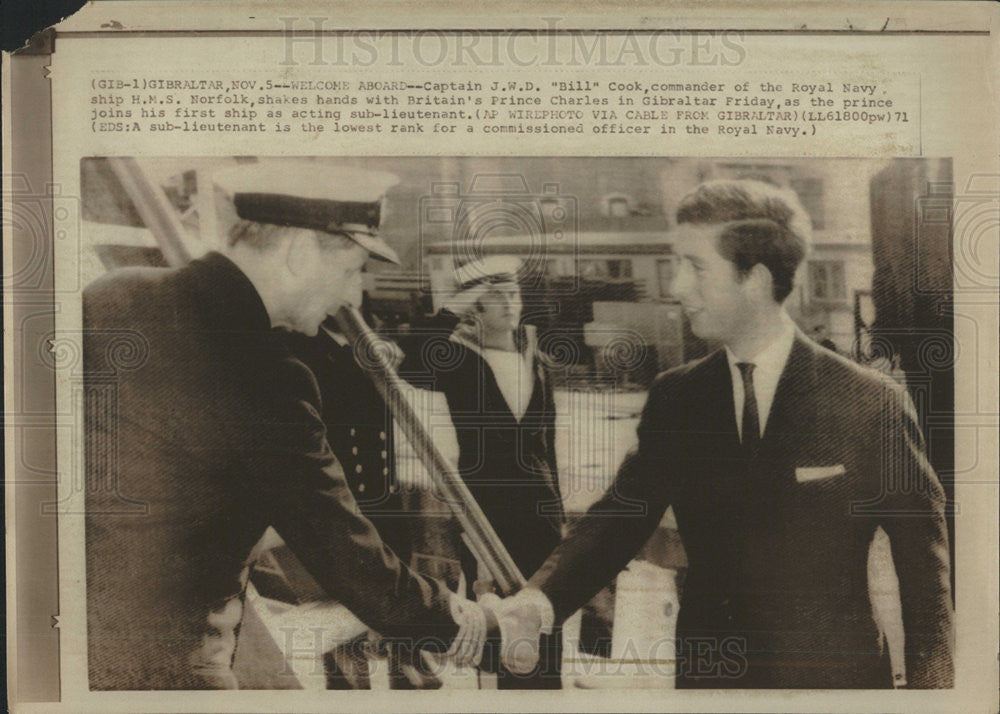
x=522, y=619
x=467, y=646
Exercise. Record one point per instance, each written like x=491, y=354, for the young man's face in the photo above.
x=500, y=307
x=333, y=281
x=715, y=300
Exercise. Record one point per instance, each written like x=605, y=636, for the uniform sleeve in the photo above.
x=613, y=530
x=913, y=503
x=309, y=503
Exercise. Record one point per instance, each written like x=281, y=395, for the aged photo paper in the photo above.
x=563, y=357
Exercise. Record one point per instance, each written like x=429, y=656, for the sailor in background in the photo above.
x=500, y=397
x=206, y=430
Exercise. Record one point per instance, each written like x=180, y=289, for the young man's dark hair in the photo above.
x=768, y=226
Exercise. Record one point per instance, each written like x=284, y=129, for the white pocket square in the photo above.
x=804, y=474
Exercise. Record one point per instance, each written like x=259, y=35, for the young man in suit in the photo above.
x=203, y=429
x=780, y=460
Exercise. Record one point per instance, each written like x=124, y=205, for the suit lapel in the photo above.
x=721, y=404
x=536, y=402
x=791, y=422
x=706, y=417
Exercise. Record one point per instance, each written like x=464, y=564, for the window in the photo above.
x=620, y=268
x=605, y=269
x=618, y=207
x=592, y=269
x=826, y=280
x=665, y=274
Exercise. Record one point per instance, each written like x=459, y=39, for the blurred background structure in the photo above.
x=595, y=231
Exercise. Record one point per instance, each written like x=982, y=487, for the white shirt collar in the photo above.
x=775, y=354
x=769, y=363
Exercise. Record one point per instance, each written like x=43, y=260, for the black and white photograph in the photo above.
x=402, y=357
x=517, y=423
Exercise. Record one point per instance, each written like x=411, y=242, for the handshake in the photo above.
x=521, y=619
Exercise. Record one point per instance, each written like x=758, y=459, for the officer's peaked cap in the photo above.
x=305, y=194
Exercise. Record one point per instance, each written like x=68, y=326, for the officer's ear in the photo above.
x=301, y=252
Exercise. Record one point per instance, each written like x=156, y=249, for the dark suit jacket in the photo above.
x=202, y=430
x=776, y=594
x=508, y=465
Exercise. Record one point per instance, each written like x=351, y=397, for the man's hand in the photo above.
x=467, y=646
x=521, y=618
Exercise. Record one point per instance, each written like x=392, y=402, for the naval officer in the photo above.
x=209, y=431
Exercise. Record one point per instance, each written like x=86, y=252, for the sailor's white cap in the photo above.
x=492, y=269
x=305, y=194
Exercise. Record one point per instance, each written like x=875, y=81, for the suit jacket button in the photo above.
x=361, y=487
x=353, y=432
x=358, y=469
x=385, y=455
x=381, y=435
x=354, y=450
x=728, y=611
